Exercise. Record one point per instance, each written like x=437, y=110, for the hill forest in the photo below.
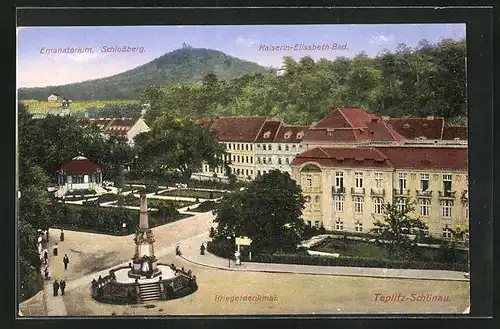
x=429, y=80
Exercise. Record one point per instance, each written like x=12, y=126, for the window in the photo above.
x=279, y=147
x=279, y=160
x=238, y=158
x=377, y=205
x=309, y=181
x=447, y=205
x=258, y=172
x=246, y=171
x=234, y=158
x=339, y=179
x=287, y=161
x=264, y=160
x=447, y=232
x=270, y=160
x=258, y=146
x=402, y=181
x=228, y=146
x=258, y=160
x=401, y=204
x=316, y=223
x=358, y=204
x=309, y=223
x=447, y=183
x=251, y=159
x=270, y=147
x=238, y=171
x=238, y=146
x=339, y=225
x=338, y=201
x=424, y=207
x=358, y=227
x=246, y=147
x=246, y=159
x=424, y=182
x=358, y=176
x=251, y=172
x=378, y=180
x=234, y=146
x=294, y=146
x=287, y=148
x=264, y=147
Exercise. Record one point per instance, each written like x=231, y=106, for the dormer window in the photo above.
x=300, y=135
x=267, y=134
x=406, y=126
x=288, y=134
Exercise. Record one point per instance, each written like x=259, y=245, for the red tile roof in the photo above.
x=414, y=128
x=345, y=118
x=80, y=164
x=238, y=129
x=452, y=132
x=204, y=123
x=344, y=157
x=395, y=157
x=427, y=157
x=293, y=132
x=270, y=129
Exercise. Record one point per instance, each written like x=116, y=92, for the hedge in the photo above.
x=355, y=262
x=205, y=206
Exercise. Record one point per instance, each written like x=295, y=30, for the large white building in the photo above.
x=129, y=128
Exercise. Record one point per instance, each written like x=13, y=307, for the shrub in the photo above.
x=206, y=206
x=222, y=248
x=355, y=261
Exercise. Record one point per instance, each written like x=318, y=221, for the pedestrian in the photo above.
x=202, y=249
x=45, y=255
x=46, y=272
x=66, y=261
x=62, y=235
x=55, y=285
x=178, y=250
x=62, y=284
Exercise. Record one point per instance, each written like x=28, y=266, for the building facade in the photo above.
x=345, y=188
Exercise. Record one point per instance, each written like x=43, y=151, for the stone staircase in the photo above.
x=150, y=292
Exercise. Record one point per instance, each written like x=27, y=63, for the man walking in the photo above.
x=55, y=285
x=66, y=261
x=63, y=286
x=45, y=255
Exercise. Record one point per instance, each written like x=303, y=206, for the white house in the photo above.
x=129, y=128
x=53, y=98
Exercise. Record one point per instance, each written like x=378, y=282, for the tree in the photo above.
x=396, y=228
x=268, y=211
x=176, y=145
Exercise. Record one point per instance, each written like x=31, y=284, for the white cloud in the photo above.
x=381, y=40
x=246, y=42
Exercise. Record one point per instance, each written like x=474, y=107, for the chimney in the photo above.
x=143, y=216
x=430, y=117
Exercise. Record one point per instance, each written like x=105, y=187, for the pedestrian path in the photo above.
x=55, y=304
x=191, y=253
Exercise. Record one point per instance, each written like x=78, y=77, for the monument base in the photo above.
x=144, y=275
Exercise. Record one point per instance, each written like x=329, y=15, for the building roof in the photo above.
x=345, y=118
x=344, y=157
x=418, y=128
x=291, y=133
x=80, y=164
x=394, y=157
x=452, y=132
x=238, y=129
x=269, y=131
x=204, y=123
x=115, y=126
x=350, y=125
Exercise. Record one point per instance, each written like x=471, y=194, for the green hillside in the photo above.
x=181, y=65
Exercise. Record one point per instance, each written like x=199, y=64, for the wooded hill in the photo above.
x=181, y=65
x=427, y=80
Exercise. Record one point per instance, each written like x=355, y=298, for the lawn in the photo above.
x=195, y=194
x=155, y=203
x=366, y=249
x=41, y=107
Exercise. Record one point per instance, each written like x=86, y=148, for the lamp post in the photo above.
x=229, y=257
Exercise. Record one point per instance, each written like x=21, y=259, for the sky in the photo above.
x=37, y=67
